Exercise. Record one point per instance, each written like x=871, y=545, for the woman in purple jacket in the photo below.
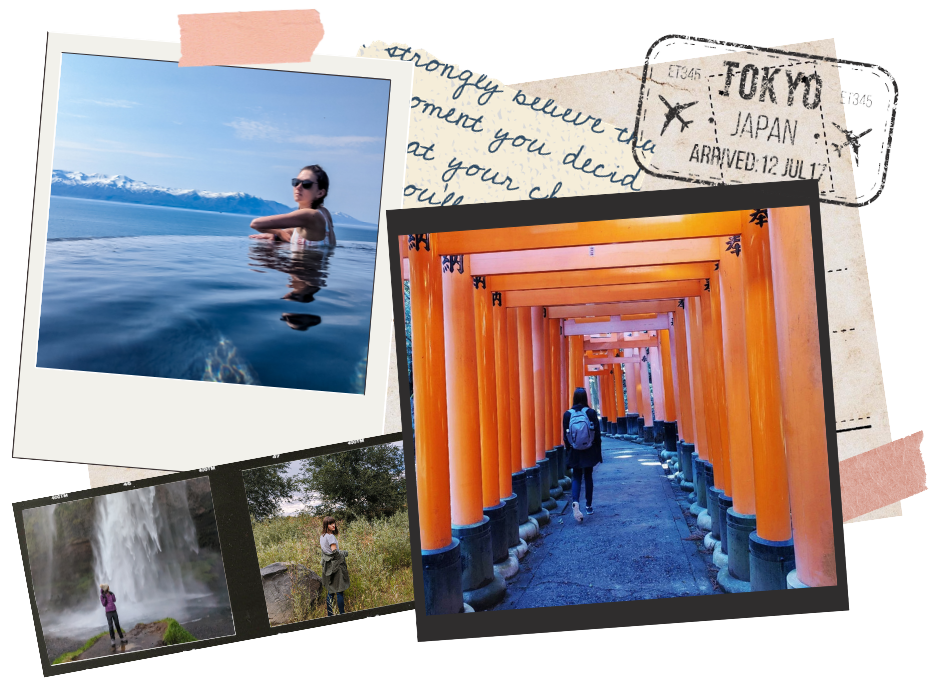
x=109, y=601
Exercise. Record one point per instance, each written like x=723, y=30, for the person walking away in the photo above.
x=333, y=566
x=582, y=435
x=109, y=601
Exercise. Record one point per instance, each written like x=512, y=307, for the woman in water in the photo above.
x=308, y=225
x=333, y=565
x=109, y=601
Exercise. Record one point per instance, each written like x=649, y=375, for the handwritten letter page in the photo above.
x=473, y=139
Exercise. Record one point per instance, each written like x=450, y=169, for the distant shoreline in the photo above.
x=359, y=226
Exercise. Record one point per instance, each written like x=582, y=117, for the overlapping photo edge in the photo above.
x=638, y=612
x=238, y=551
x=172, y=398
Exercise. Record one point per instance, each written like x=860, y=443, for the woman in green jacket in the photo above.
x=333, y=566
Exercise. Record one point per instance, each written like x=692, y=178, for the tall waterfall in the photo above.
x=142, y=541
x=156, y=547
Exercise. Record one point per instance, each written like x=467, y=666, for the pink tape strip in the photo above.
x=281, y=37
x=882, y=476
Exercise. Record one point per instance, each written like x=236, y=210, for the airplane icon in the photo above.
x=852, y=141
x=675, y=112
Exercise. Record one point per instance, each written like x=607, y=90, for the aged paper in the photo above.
x=473, y=139
x=858, y=378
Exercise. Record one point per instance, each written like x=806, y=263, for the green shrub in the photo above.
x=70, y=656
x=175, y=634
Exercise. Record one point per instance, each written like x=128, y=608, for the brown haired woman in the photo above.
x=309, y=225
x=333, y=565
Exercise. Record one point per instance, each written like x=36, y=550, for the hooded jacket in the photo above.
x=109, y=601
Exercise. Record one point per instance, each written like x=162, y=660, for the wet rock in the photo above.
x=201, y=507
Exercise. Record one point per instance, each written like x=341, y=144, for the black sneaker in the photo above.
x=589, y=510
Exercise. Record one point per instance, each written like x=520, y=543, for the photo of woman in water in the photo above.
x=290, y=308
x=309, y=225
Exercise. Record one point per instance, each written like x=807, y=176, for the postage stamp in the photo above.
x=720, y=112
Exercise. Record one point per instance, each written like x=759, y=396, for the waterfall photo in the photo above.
x=128, y=571
x=331, y=533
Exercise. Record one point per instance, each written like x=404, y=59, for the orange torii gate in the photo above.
x=527, y=282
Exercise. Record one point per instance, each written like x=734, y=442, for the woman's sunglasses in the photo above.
x=307, y=184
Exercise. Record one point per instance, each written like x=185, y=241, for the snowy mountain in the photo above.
x=119, y=188
x=342, y=218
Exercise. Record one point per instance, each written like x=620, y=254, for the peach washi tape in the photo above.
x=280, y=37
x=882, y=476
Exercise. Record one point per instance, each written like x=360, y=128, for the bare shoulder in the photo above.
x=311, y=217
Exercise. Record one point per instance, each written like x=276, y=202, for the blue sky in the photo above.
x=223, y=129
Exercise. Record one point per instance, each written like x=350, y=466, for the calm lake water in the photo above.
x=162, y=292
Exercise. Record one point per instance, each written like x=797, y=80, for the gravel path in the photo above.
x=639, y=544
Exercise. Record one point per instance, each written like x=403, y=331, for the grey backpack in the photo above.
x=580, y=430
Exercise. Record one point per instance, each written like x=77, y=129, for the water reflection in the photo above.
x=307, y=270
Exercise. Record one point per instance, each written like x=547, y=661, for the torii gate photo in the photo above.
x=696, y=338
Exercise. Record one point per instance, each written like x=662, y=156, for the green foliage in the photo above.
x=70, y=656
x=379, y=559
x=175, y=634
x=362, y=483
x=265, y=488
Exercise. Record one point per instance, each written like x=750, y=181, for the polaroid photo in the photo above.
x=224, y=554
x=206, y=255
x=621, y=410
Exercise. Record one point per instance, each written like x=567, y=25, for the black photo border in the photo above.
x=402, y=222
x=238, y=552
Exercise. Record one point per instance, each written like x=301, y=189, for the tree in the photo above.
x=364, y=482
x=266, y=487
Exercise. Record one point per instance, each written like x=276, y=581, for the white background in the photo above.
x=886, y=633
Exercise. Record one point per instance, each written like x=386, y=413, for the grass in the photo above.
x=175, y=634
x=69, y=656
x=379, y=560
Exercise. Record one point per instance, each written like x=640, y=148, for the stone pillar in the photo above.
x=441, y=554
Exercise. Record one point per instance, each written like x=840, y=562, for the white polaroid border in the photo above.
x=169, y=424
